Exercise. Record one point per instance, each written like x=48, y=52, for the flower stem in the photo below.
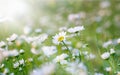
x=67, y=47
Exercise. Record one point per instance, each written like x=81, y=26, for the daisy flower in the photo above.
x=76, y=29
x=59, y=37
x=12, y=38
x=105, y=55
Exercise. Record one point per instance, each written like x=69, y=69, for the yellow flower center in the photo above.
x=61, y=38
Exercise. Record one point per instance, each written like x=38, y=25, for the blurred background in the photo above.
x=24, y=16
x=101, y=19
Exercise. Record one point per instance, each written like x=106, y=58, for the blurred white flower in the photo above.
x=2, y=44
x=98, y=74
x=118, y=73
x=21, y=51
x=76, y=29
x=21, y=62
x=27, y=29
x=112, y=51
x=30, y=59
x=60, y=58
x=106, y=44
x=118, y=41
x=16, y=65
x=75, y=52
x=105, y=55
x=108, y=69
x=12, y=74
x=73, y=17
x=90, y=56
x=46, y=69
x=10, y=53
x=76, y=68
x=62, y=28
x=34, y=51
x=13, y=37
x=6, y=70
x=49, y=50
x=2, y=65
x=104, y=4
x=59, y=37
x=38, y=30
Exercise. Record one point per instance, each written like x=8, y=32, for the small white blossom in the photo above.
x=73, y=17
x=6, y=70
x=21, y=62
x=46, y=69
x=90, y=56
x=108, y=69
x=12, y=37
x=30, y=59
x=118, y=41
x=104, y=4
x=10, y=53
x=16, y=65
x=59, y=37
x=98, y=74
x=118, y=73
x=2, y=44
x=106, y=44
x=76, y=68
x=21, y=51
x=34, y=51
x=38, y=30
x=2, y=65
x=60, y=58
x=105, y=55
x=11, y=73
x=76, y=29
x=49, y=50
x=112, y=51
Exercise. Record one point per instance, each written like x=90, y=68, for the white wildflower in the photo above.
x=21, y=51
x=46, y=69
x=49, y=50
x=105, y=55
x=60, y=58
x=76, y=29
x=6, y=70
x=76, y=68
x=73, y=17
x=118, y=41
x=118, y=73
x=2, y=44
x=10, y=53
x=38, y=30
x=112, y=51
x=34, y=51
x=106, y=44
x=12, y=37
x=59, y=37
x=90, y=56
x=2, y=65
x=16, y=65
x=98, y=74
x=108, y=69
x=104, y=4
x=21, y=62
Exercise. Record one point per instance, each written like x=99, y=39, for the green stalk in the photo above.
x=67, y=47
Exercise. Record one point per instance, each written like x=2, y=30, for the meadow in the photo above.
x=61, y=37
